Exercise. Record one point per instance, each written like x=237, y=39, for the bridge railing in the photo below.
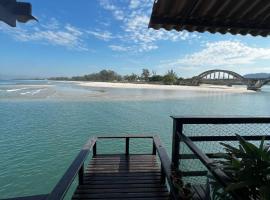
x=195, y=144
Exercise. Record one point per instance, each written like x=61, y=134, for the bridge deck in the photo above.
x=122, y=177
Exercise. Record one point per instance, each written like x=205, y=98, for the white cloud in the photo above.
x=117, y=12
x=52, y=33
x=232, y=55
x=134, y=32
x=102, y=35
x=119, y=48
x=225, y=53
x=134, y=4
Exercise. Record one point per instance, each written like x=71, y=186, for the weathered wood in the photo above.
x=95, y=150
x=81, y=172
x=125, y=136
x=129, y=176
x=154, y=151
x=221, y=119
x=219, y=175
x=63, y=185
x=127, y=146
x=227, y=138
x=166, y=164
x=177, y=128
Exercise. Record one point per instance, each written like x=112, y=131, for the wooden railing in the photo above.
x=206, y=159
x=77, y=166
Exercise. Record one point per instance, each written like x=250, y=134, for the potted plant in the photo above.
x=248, y=166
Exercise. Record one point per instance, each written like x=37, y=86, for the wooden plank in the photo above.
x=177, y=128
x=166, y=164
x=222, y=119
x=123, y=174
x=219, y=175
x=145, y=198
x=118, y=190
x=123, y=186
x=121, y=195
x=133, y=176
x=123, y=157
x=116, y=181
x=112, y=178
x=194, y=173
x=228, y=138
x=125, y=136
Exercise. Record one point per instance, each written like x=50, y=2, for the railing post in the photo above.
x=154, y=151
x=177, y=128
x=95, y=150
x=81, y=172
x=127, y=146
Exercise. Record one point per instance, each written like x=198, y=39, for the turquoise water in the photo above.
x=44, y=124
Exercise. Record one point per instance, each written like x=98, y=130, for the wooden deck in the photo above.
x=122, y=177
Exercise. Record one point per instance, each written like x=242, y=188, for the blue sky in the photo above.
x=85, y=36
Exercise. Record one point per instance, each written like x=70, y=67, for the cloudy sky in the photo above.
x=85, y=36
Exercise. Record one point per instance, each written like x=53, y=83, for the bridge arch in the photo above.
x=219, y=74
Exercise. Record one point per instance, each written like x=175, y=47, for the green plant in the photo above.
x=184, y=190
x=249, y=168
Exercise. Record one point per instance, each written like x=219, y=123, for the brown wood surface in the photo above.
x=122, y=177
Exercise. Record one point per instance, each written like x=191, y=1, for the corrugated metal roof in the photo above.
x=12, y=11
x=223, y=16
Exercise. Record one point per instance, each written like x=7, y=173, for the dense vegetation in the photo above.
x=170, y=78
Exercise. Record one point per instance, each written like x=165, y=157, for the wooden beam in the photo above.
x=222, y=119
x=228, y=138
x=125, y=136
x=63, y=185
x=219, y=175
x=177, y=128
x=166, y=165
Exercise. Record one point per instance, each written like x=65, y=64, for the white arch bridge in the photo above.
x=226, y=77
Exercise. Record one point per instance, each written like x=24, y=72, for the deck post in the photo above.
x=154, y=151
x=177, y=128
x=81, y=172
x=127, y=146
x=95, y=150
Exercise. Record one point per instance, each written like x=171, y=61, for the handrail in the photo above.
x=35, y=197
x=77, y=165
x=219, y=175
x=222, y=119
x=227, y=138
x=165, y=164
x=178, y=136
x=125, y=136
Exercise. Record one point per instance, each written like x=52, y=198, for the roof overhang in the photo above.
x=222, y=16
x=12, y=11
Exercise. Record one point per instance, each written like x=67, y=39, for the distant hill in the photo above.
x=257, y=75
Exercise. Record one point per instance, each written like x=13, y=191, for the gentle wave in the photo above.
x=15, y=90
x=31, y=92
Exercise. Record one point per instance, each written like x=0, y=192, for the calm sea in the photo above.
x=43, y=124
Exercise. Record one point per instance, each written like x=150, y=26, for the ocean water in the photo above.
x=44, y=124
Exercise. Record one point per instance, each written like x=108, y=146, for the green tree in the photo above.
x=145, y=74
x=170, y=78
x=131, y=78
x=156, y=78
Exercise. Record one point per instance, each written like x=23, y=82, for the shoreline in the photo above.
x=204, y=87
